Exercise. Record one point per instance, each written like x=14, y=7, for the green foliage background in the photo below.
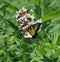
x=45, y=48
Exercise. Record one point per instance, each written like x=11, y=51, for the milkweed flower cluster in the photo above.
x=23, y=18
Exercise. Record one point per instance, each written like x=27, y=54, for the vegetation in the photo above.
x=45, y=47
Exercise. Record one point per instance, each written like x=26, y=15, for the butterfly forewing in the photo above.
x=32, y=30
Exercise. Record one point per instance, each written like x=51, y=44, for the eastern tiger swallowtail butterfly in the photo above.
x=32, y=30
x=27, y=24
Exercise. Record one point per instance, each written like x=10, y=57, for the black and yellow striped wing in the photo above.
x=32, y=30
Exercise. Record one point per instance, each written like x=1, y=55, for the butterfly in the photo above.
x=31, y=31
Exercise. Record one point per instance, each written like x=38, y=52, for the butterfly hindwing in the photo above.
x=32, y=29
x=27, y=35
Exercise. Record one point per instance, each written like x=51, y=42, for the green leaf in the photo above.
x=52, y=15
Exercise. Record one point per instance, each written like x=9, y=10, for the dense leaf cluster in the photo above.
x=46, y=46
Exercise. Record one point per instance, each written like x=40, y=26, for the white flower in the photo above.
x=39, y=20
x=31, y=11
x=28, y=16
x=23, y=10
